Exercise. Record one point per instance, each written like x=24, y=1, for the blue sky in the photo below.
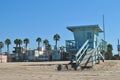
x=44, y=18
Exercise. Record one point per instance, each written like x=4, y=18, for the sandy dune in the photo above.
x=109, y=70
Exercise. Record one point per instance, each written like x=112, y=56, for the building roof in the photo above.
x=85, y=27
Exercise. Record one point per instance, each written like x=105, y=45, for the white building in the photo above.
x=38, y=55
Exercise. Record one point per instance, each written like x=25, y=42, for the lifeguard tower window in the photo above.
x=89, y=35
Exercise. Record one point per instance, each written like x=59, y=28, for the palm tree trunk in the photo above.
x=56, y=44
x=38, y=45
x=8, y=48
x=26, y=53
x=38, y=50
x=0, y=51
x=8, y=53
x=1, y=55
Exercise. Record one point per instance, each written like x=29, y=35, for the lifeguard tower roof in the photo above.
x=94, y=27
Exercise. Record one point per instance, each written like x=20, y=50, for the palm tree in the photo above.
x=26, y=41
x=49, y=47
x=109, y=53
x=20, y=55
x=46, y=42
x=8, y=42
x=56, y=38
x=38, y=40
x=19, y=42
x=16, y=41
x=1, y=46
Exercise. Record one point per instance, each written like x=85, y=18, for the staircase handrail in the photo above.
x=82, y=53
x=98, y=49
x=82, y=48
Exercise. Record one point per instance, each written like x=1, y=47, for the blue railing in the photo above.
x=71, y=45
x=103, y=45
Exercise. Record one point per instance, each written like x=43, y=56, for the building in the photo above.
x=19, y=54
x=56, y=55
x=3, y=58
x=23, y=54
x=38, y=55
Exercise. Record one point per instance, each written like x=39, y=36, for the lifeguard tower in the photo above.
x=86, y=48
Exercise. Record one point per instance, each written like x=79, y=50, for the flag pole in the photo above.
x=104, y=35
x=103, y=29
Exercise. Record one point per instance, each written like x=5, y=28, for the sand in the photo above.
x=109, y=70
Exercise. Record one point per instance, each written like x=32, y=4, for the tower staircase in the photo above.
x=88, y=57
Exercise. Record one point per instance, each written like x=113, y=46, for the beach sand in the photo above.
x=109, y=70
